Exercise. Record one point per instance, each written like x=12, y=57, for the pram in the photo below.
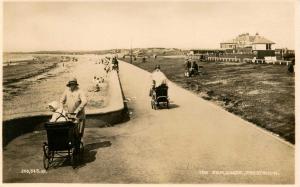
x=62, y=142
x=160, y=95
x=191, y=72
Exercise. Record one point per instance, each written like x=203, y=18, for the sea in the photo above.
x=16, y=58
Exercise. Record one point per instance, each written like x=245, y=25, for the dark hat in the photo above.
x=72, y=81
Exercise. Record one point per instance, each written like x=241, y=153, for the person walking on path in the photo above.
x=158, y=79
x=75, y=101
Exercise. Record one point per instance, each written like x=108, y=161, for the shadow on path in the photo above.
x=172, y=105
x=88, y=156
x=90, y=152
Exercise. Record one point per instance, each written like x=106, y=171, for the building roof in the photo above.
x=262, y=40
x=207, y=49
x=232, y=41
x=251, y=38
x=256, y=39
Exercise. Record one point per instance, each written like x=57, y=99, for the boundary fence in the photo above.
x=248, y=60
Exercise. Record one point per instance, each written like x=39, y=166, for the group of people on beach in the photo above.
x=97, y=82
x=105, y=68
x=109, y=63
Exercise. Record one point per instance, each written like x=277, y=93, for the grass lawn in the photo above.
x=261, y=94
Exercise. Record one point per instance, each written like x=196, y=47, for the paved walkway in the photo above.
x=192, y=142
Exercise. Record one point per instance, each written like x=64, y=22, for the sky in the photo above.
x=35, y=26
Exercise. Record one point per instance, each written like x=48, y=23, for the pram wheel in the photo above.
x=76, y=154
x=153, y=106
x=46, y=157
x=73, y=158
x=81, y=148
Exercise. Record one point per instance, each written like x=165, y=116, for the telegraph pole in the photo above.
x=131, y=51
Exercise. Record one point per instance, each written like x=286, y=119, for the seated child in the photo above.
x=59, y=114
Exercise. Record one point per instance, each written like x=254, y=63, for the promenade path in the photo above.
x=194, y=141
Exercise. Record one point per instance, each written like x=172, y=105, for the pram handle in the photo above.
x=71, y=113
x=72, y=116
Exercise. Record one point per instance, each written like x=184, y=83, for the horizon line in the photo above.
x=90, y=50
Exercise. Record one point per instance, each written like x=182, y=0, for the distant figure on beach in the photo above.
x=75, y=100
x=59, y=114
x=100, y=79
x=95, y=79
x=107, y=69
x=96, y=86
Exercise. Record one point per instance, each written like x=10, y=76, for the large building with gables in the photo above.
x=246, y=41
x=247, y=44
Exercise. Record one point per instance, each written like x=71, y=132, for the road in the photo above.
x=192, y=142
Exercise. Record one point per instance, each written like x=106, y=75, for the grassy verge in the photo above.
x=261, y=94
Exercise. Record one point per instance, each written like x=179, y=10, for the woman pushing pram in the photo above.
x=65, y=128
x=158, y=79
x=75, y=100
x=159, y=89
